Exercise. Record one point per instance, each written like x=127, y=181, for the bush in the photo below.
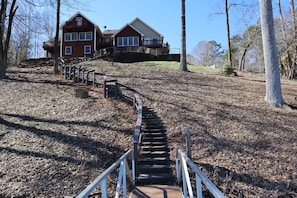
x=228, y=70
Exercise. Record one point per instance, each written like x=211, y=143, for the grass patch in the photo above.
x=173, y=65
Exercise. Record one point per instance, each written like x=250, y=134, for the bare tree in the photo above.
x=183, y=58
x=273, y=85
x=282, y=20
x=5, y=32
x=56, y=60
x=228, y=33
x=294, y=58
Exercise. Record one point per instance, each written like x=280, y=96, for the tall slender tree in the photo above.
x=183, y=57
x=273, y=86
x=228, y=33
x=5, y=32
x=56, y=59
x=294, y=25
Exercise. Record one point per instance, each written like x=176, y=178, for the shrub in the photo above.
x=228, y=70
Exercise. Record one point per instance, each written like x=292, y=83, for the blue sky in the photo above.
x=164, y=16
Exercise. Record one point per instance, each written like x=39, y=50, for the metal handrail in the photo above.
x=122, y=181
x=137, y=103
x=182, y=163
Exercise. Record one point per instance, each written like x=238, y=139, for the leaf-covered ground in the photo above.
x=53, y=144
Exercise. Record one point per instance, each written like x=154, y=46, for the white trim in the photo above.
x=85, y=36
x=71, y=36
x=61, y=44
x=68, y=47
x=133, y=43
x=89, y=46
x=95, y=40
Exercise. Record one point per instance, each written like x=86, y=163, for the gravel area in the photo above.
x=53, y=144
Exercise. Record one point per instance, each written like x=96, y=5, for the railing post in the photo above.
x=104, y=86
x=116, y=89
x=74, y=73
x=187, y=133
x=133, y=169
x=177, y=166
x=94, y=78
x=104, y=188
x=65, y=72
x=198, y=186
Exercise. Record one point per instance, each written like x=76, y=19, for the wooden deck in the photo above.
x=156, y=191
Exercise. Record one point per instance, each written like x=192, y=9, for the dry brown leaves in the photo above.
x=53, y=144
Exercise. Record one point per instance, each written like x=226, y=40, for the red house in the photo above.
x=79, y=37
x=137, y=35
x=82, y=38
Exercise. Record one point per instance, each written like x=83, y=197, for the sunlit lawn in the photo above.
x=174, y=65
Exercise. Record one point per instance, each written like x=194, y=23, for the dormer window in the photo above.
x=79, y=21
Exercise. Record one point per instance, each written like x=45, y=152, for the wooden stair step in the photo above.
x=156, y=147
x=154, y=154
x=152, y=135
x=156, y=191
x=154, y=130
x=156, y=139
x=152, y=161
x=153, y=143
x=156, y=178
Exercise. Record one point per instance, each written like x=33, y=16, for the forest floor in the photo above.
x=53, y=144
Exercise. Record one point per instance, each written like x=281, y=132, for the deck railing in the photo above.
x=122, y=179
x=182, y=174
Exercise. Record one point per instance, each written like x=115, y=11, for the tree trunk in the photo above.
x=183, y=57
x=56, y=50
x=2, y=67
x=282, y=20
x=294, y=58
x=242, y=60
x=228, y=33
x=5, y=33
x=273, y=85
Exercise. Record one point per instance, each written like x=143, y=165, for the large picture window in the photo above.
x=85, y=36
x=68, y=50
x=128, y=41
x=71, y=36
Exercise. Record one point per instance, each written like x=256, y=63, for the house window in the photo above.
x=79, y=21
x=128, y=41
x=71, y=36
x=87, y=49
x=68, y=50
x=85, y=36
x=152, y=41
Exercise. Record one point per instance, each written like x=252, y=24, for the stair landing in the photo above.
x=156, y=191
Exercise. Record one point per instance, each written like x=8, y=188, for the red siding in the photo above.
x=78, y=46
x=128, y=31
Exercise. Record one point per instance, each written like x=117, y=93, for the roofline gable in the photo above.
x=79, y=13
x=128, y=25
x=141, y=21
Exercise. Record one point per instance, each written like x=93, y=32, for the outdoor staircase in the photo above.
x=154, y=164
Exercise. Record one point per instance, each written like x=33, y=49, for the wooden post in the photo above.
x=104, y=86
x=78, y=76
x=83, y=75
x=187, y=133
x=94, y=78
x=65, y=72
x=74, y=71
x=116, y=89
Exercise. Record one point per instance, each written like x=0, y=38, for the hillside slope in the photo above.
x=53, y=144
